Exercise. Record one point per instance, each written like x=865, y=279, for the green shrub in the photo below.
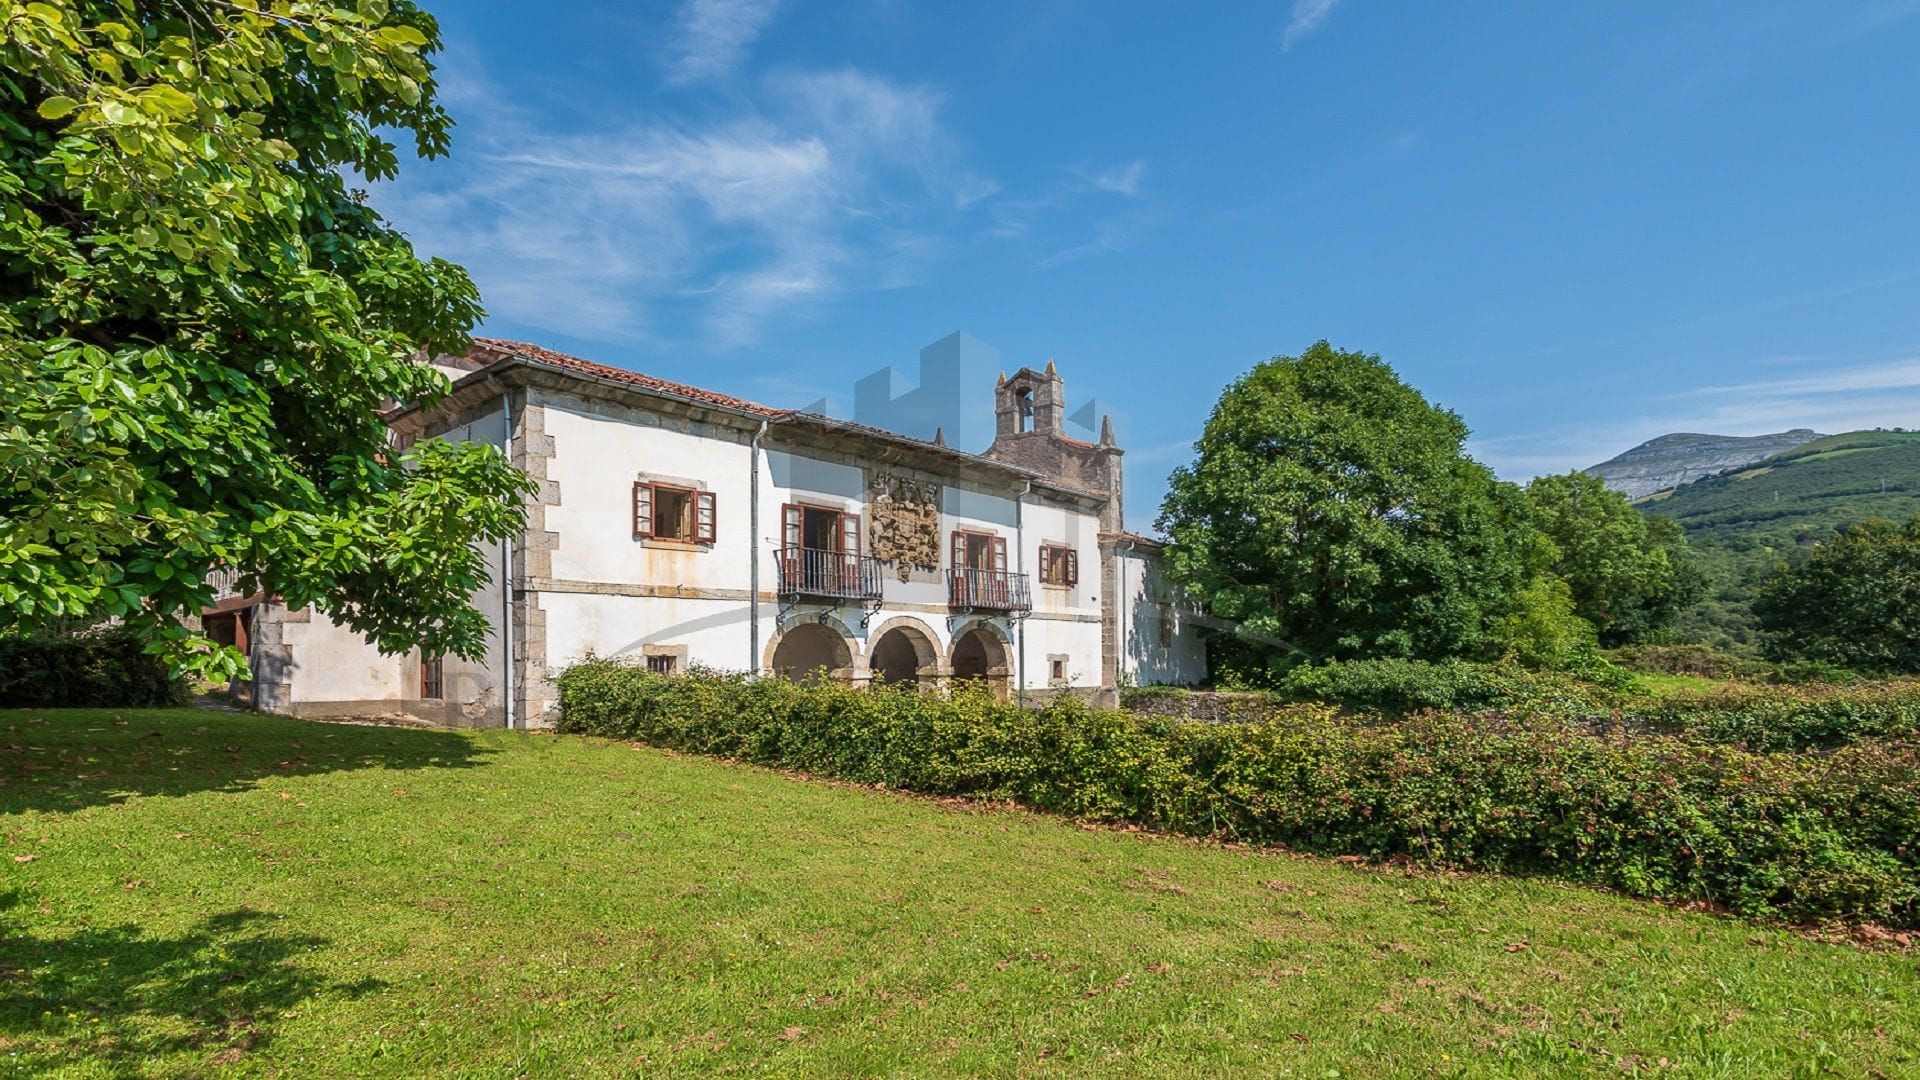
x=1702, y=660
x=99, y=668
x=1774, y=718
x=1799, y=836
x=1401, y=686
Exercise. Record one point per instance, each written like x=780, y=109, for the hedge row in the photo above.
x=101, y=668
x=1758, y=716
x=1789, y=835
x=1776, y=718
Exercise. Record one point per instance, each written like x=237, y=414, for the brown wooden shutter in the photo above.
x=849, y=534
x=1073, y=567
x=642, y=510
x=790, y=526
x=1000, y=554
x=959, y=550
x=704, y=517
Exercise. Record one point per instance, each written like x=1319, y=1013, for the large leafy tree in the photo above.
x=202, y=321
x=1630, y=573
x=1854, y=601
x=1332, y=508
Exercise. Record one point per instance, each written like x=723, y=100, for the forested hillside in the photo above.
x=1746, y=521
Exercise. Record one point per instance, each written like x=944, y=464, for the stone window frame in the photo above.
x=1062, y=663
x=676, y=654
x=685, y=483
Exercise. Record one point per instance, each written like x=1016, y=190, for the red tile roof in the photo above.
x=492, y=350
x=489, y=351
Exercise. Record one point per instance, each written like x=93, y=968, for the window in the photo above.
x=663, y=665
x=1057, y=670
x=670, y=512
x=1023, y=402
x=1059, y=565
x=979, y=551
x=1166, y=629
x=430, y=678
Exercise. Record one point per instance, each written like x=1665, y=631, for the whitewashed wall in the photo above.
x=1146, y=596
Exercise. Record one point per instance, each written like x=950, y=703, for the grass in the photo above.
x=192, y=893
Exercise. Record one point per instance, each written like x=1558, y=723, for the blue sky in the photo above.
x=1579, y=227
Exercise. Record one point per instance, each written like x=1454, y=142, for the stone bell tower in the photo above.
x=1029, y=422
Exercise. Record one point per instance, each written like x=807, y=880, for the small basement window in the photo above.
x=1057, y=670
x=665, y=664
x=431, y=686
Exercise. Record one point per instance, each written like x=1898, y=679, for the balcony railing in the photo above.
x=988, y=590
x=829, y=574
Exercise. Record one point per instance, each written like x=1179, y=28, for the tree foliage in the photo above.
x=1630, y=573
x=1331, y=508
x=1854, y=601
x=202, y=322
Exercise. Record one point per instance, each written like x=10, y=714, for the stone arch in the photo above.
x=799, y=651
x=982, y=652
x=902, y=651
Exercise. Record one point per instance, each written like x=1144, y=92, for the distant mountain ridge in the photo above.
x=1683, y=457
x=1750, y=518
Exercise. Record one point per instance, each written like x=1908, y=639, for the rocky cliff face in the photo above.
x=1672, y=460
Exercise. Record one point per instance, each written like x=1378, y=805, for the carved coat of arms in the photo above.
x=903, y=518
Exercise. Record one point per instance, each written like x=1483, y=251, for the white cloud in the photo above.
x=1306, y=17
x=712, y=36
x=1121, y=179
x=628, y=230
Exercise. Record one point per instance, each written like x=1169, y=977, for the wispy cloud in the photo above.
x=1109, y=236
x=630, y=230
x=1306, y=17
x=711, y=37
x=1121, y=179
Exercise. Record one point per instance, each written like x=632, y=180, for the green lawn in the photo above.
x=192, y=893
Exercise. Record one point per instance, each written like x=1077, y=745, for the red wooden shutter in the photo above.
x=703, y=517
x=642, y=510
x=790, y=526
x=849, y=534
x=1073, y=567
x=999, y=555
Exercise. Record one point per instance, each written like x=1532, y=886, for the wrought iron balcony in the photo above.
x=832, y=575
x=988, y=590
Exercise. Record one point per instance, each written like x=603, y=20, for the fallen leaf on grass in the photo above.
x=792, y=1033
x=25, y=858
x=1297, y=1037
x=1518, y=946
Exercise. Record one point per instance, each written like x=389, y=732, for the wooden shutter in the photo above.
x=999, y=554
x=703, y=517
x=642, y=510
x=959, y=550
x=1073, y=567
x=790, y=526
x=849, y=534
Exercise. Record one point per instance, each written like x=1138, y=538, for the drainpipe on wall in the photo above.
x=1120, y=616
x=1020, y=562
x=753, y=555
x=506, y=570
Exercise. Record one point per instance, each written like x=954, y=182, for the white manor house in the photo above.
x=678, y=526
